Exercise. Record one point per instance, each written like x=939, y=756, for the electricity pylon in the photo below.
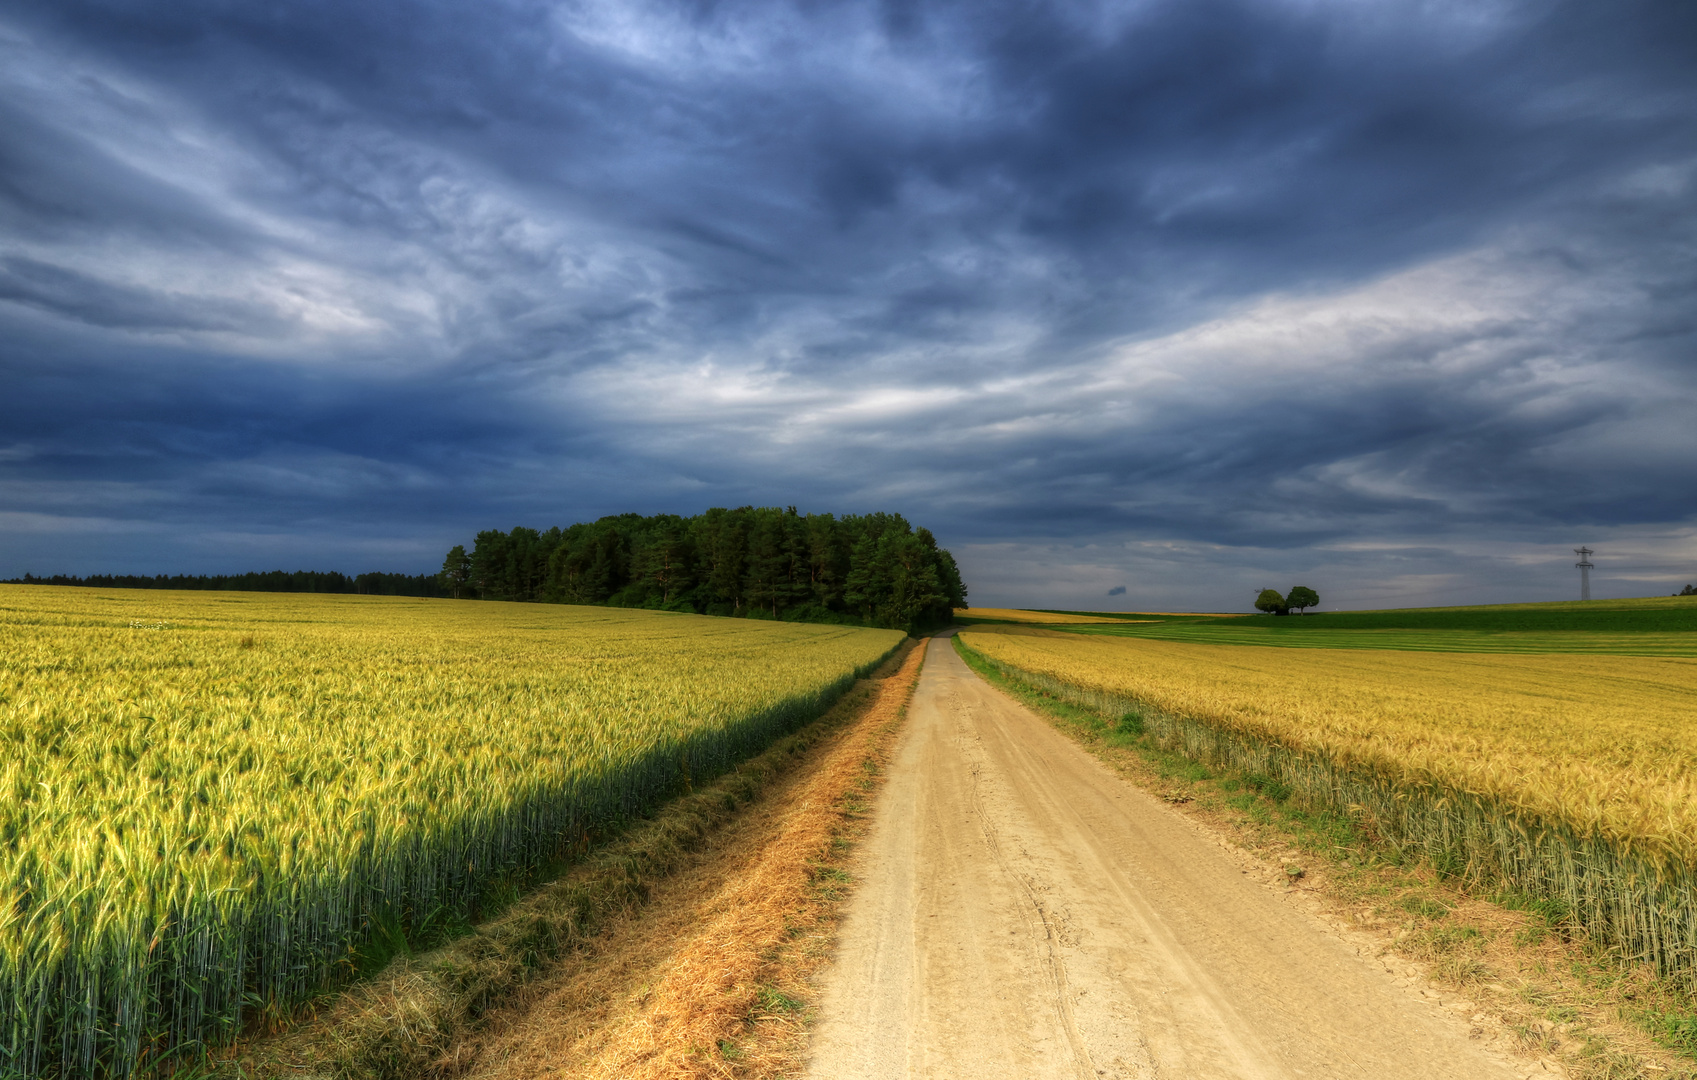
x=1584, y=565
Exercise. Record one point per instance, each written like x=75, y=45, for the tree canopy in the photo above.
x=871, y=569
x=1301, y=598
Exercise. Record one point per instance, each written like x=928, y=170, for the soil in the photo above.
x=1022, y=912
x=698, y=982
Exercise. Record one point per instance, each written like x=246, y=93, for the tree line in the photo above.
x=298, y=581
x=766, y=563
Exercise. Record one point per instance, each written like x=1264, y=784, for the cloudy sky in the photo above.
x=1397, y=300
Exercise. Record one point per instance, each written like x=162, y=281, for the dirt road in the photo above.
x=1025, y=913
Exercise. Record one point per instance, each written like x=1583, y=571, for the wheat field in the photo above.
x=208, y=801
x=1606, y=744
x=1565, y=777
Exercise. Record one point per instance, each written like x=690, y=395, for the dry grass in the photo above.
x=697, y=1019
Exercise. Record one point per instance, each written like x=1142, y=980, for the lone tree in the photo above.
x=456, y=570
x=1271, y=602
x=1301, y=598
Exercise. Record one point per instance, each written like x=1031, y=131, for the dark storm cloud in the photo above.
x=1309, y=278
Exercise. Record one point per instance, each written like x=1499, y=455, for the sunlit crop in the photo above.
x=208, y=799
x=1605, y=743
x=1567, y=776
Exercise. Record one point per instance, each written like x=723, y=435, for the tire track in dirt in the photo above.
x=1025, y=913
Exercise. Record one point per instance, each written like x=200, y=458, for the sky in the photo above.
x=1137, y=306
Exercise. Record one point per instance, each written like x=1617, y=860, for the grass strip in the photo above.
x=1652, y=626
x=1665, y=614
x=1265, y=632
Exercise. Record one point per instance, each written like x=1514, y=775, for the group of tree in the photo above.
x=299, y=581
x=1300, y=599
x=866, y=569
x=1689, y=590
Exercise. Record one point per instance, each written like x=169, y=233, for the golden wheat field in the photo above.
x=1605, y=744
x=208, y=800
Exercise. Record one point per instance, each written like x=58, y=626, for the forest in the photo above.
x=764, y=563
x=298, y=581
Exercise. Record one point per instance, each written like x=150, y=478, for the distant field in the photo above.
x=1137, y=616
x=1656, y=626
x=1037, y=618
x=1553, y=744
x=209, y=802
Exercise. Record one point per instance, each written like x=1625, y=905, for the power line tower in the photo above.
x=1584, y=564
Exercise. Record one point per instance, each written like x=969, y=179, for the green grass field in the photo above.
x=1652, y=626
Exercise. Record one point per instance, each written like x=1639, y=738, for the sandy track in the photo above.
x=1025, y=913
